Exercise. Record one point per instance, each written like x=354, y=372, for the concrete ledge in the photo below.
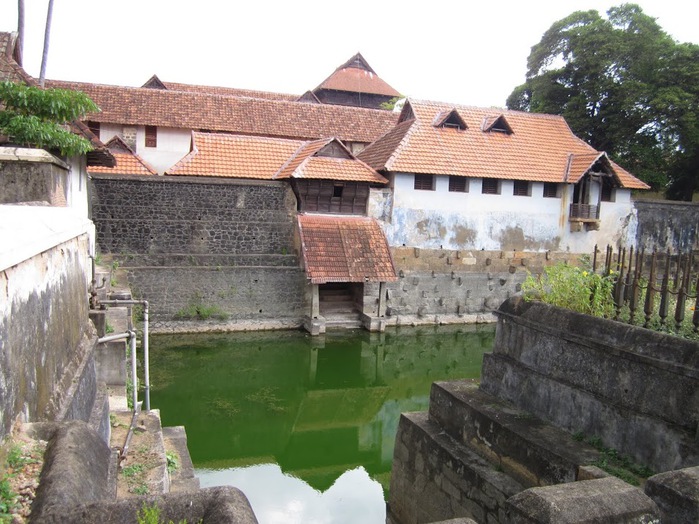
x=589, y=501
x=677, y=494
x=532, y=451
x=76, y=470
x=208, y=506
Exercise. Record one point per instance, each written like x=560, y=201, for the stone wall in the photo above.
x=664, y=225
x=635, y=389
x=46, y=338
x=32, y=175
x=225, y=246
x=438, y=286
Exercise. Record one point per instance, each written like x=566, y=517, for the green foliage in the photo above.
x=619, y=465
x=391, y=104
x=625, y=87
x=151, y=515
x=8, y=500
x=173, y=463
x=197, y=310
x=38, y=117
x=573, y=288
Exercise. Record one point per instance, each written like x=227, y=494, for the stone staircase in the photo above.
x=338, y=308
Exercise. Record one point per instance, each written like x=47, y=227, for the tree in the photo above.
x=625, y=87
x=39, y=117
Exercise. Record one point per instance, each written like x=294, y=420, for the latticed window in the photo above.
x=491, y=186
x=458, y=184
x=151, y=136
x=550, y=190
x=521, y=188
x=424, y=182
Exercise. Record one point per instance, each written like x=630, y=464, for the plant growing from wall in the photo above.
x=197, y=310
x=37, y=117
x=574, y=288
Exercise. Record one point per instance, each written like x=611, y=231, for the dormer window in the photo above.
x=450, y=120
x=497, y=124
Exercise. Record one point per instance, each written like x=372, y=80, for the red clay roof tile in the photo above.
x=127, y=162
x=537, y=149
x=345, y=249
x=234, y=114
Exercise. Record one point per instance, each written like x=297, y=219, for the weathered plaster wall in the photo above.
x=221, y=244
x=664, y=225
x=472, y=220
x=46, y=338
x=32, y=175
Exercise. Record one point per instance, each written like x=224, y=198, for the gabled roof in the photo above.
x=538, y=150
x=235, y=156
x=449, y=118
x=357, y=76
x=233, y=114
x=228, y=91
x=345, y=249
x=497, y=123
x=154, y=83
x=581, y=164
x=128, y=162
x=307, y=163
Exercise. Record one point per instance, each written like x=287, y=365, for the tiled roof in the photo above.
x=9, y=68
x=305, y=165
x=357, y=76
x=127, y=161
x=538, y=148
x=230, y=91
x=235, y=156
x=345, y=249
x=248, y=116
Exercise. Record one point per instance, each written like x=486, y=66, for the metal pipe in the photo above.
x=134, y=376
x=146, y=354
x=119, y=336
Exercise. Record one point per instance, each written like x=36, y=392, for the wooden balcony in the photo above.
x=584, y=213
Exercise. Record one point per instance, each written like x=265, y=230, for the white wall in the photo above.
x=472, y=220
x=173, y=144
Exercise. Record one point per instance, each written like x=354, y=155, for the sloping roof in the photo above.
x=229, y=91
x=345, y=249
x=127, y=161
x=10, y=60
x=305, y=164
x=235, y=156
x=234, y=114
x=538, y=148
x=357, y=76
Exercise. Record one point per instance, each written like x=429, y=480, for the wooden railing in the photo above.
x=641, y=282
x=584, y=212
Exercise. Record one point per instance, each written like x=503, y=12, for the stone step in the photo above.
x=343, y=322
x=467, y=485
x=182, y=476
x=530, y=450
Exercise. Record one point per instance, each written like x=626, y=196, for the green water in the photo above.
x=305, y=426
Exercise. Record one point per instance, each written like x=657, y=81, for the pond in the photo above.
x=305, y=426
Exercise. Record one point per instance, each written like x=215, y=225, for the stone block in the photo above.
x=676, y=493
x=602, y=500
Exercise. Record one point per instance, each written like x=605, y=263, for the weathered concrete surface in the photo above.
x=635, y=389
x=76, y=470
x=434, y=478
x=222, y=505
x=46, y=338
x=32, y=175
x=533, y=452
x=664, y=225
x=677, y=494
x=588, y=501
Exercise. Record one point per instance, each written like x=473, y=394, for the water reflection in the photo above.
x=283, y=499
x=322, y=410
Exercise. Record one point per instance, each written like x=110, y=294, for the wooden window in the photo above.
x=424, y=182
x=95, y=128
x=458, y=184
x=151, y=136
x=491, y=186
x=607, y=193
x=337, y=191
x=550, y=190
x=521, y=188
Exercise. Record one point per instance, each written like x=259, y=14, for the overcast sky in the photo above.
x=453, y=51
